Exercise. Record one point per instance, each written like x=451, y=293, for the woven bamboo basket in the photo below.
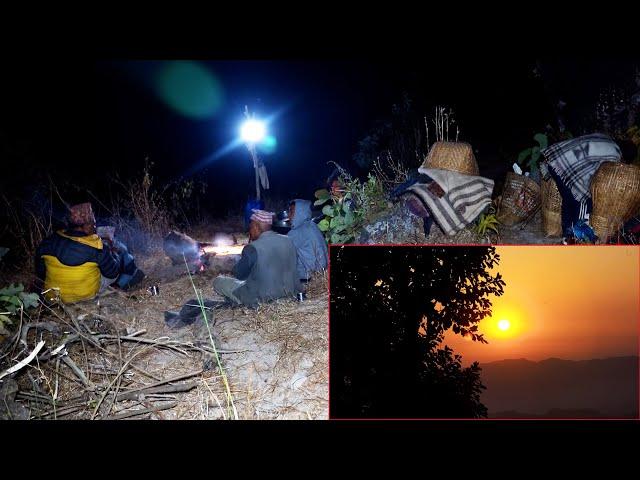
x=454, y=156
x=551, y=208
x=615, y=191
x=520, y=199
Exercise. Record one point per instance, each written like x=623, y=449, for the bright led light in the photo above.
x=253, y=131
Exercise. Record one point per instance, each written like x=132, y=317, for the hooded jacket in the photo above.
x=270, y=271
x=311, y=247
x=74, y=263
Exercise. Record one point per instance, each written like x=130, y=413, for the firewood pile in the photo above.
x=64, y=355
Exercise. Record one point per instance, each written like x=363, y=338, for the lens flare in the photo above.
x=189, y=88
x=253, y=131
x=268, y=145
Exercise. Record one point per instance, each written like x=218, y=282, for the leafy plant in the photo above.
x=487, y=222
x=345, y=213
x=339, y=222
x=531, y=156
x=13, y=299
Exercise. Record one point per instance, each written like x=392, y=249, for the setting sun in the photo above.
x=504, y=325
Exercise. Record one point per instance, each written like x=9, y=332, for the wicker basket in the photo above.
x=615, y=191
x=520, y=199
x=454, y=156
x=551, y=208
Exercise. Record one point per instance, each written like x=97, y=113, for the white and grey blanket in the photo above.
x=453, y=199
x=578, y=159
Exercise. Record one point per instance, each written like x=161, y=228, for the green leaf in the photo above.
x=535, y=153
x=12, y=290
x=542, y=140
x=323, y=225
x=29, y=300
x=6, y=320
x=322, y=194
x=524, y=154
x=328, y=211
x=320, y=202
x=338, y=238
x=349, y=218
x=335, y=221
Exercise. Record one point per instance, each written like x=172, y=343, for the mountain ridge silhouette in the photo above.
x=554, y=387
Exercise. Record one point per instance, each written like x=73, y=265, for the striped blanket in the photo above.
x=577, y=160
x=453, y=199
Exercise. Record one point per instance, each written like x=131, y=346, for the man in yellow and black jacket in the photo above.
x=76, y=262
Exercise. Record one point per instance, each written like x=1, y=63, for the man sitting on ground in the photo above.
x=266, y=270
x=75, y=262
x=311, y=247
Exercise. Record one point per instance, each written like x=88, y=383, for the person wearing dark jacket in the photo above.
x=266, y=270
x=75, y=263
x=311, y=247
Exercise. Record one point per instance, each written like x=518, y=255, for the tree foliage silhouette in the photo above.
x=390, y=309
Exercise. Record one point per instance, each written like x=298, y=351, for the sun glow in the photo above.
x=504, y=325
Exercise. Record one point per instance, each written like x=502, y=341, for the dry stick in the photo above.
x=115, y=397
x=71, y=379
x=163, y=382
x=122, y=370
x=78, y=372
x=163, y=389
x=171, y=344
x=145, y=340
x=74, y=337
x=67, y=410
x=49, y=326
x=166, y=406
x=77, y=326
x=25, y=361
x=46, y=379
x=55, y=393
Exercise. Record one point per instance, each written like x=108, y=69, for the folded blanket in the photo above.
x=454, y=199
x=577, y=160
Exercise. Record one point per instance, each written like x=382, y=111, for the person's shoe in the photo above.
x=126, y=282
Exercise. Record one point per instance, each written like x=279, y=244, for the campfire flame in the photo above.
x=224, y=249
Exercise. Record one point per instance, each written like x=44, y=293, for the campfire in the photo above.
x=180, y=247
x=223, y=249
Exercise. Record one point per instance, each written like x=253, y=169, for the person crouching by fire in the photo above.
x=75, y=263
x=266, y=269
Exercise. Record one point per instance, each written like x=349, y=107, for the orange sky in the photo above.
x=567, y=302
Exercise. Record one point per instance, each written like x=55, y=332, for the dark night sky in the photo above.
x=82, y=119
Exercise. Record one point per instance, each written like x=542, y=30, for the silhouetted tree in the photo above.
x=390, y=309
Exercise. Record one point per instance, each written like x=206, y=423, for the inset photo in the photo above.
x=476, y=332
